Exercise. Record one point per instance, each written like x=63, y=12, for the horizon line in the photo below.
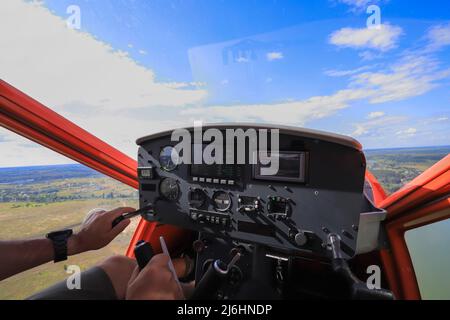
x=77, y=163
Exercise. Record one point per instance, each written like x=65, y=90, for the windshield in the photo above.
x=378, y=71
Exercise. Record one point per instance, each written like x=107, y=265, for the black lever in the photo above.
x=359, y=289
x=129, y=215
x=143, y=252
x=212, y=279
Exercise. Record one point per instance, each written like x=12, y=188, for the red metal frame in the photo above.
x=430, y=185
x=379, y=195
x=29, y=118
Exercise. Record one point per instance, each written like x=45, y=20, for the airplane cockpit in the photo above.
x=242, y=200
x=258, y=233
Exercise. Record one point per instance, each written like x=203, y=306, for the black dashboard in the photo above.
x=318, y=190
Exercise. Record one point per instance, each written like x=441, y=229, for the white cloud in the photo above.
x=84, y=79
x=369, y=55
x=439, y=36
x=435, y=120
x=59, y=66
x=343, y=73
x=383, y=38
x=393, y=131
x=182, y=85
x=375, y=114
x=143, y=52
x=359, y=131
x=5, y=137
x=271, y=56
x=374, y=125
x=295, y=112
x=15, y=148
x=359, y=5
x=242, y=60
x=413, y=76
x=407, y=133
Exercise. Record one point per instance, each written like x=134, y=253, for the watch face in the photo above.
x=63, y=234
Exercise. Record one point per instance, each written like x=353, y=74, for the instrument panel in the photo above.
x=317, y=190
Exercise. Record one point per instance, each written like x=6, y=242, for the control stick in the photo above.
x=359, y=289
x=211, y=280
x=143, y=252
x=147, y=209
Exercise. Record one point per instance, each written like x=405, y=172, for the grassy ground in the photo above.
x=29, y=220
x=65, y=190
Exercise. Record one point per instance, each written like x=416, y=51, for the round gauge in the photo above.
x=168, y=158
x=169, y=189
x=222, y=201
x=197, y=198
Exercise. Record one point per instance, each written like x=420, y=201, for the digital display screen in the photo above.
x=291, y=167
x=219, y=171
x=224, y=171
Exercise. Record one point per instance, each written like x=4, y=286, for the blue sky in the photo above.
x=154, y=65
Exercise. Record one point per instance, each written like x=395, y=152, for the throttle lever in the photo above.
x=128, y=215
x=359, y=289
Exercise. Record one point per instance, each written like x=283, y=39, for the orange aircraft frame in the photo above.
x=416, y=201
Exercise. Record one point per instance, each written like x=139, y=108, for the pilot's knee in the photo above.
x=118, y=264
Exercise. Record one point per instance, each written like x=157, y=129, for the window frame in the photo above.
x=404, y=281
x=440, y=216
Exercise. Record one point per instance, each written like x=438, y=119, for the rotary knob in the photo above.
x=300, y=238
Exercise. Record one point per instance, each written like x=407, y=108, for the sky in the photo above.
x=125, y=69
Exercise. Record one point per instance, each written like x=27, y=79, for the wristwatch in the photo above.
x=59, y=239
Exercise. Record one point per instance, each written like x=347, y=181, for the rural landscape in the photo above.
x=36, y=200
x=395, y=167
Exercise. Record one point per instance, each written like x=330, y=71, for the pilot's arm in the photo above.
x=96, y=232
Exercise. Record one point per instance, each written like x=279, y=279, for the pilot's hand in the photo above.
x=96, y=230
x=154, y=282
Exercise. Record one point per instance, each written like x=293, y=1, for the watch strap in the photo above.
x=60, y=249
x=59, y=241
